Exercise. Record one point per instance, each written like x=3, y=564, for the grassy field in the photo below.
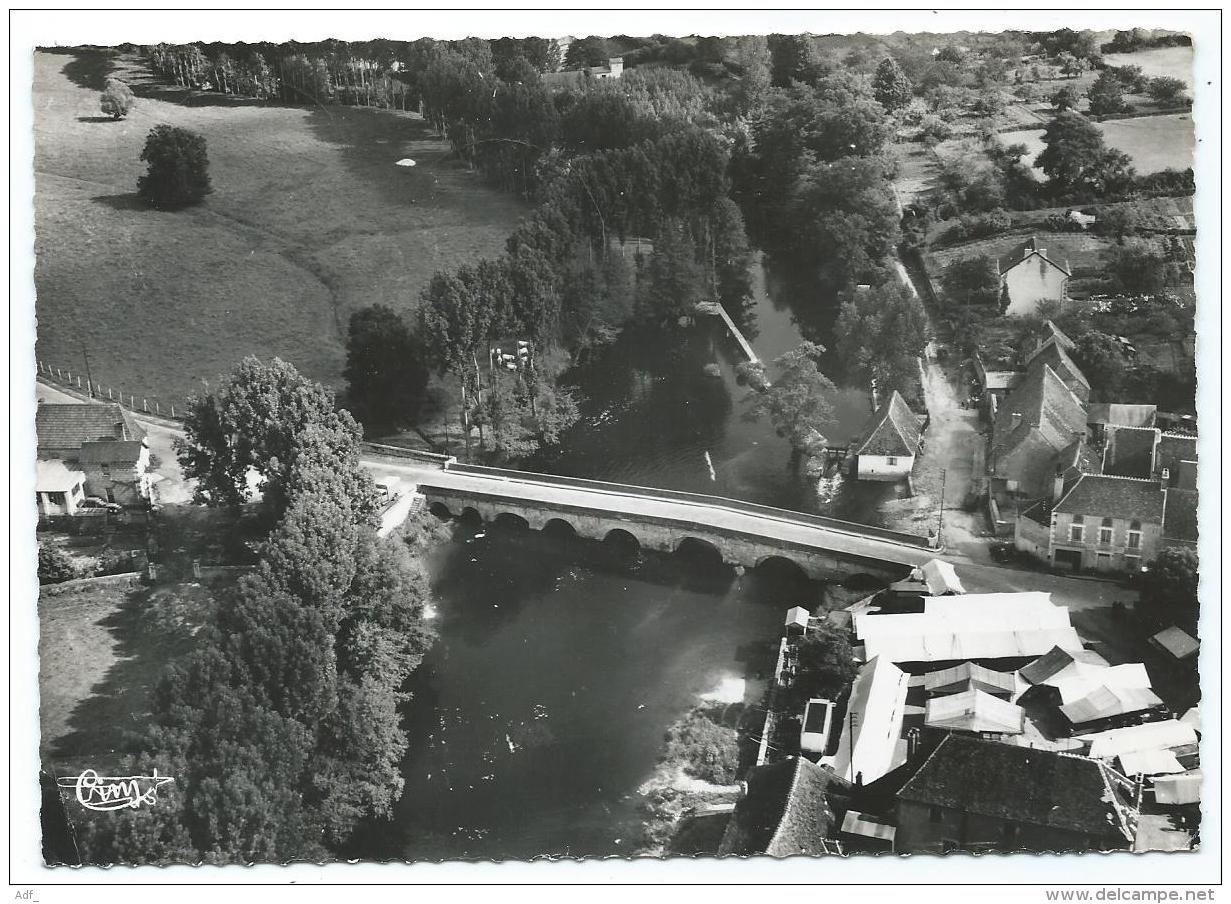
x=1153, y=142
x=1083, y=252
x=309, y=220
x=1176, y=62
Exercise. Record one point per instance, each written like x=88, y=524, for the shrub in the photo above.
x=933, y=129
x=54, y=565
x=117, y=99
x=706, y=750
x=178, y=171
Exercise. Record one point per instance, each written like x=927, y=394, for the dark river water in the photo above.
x=542, y=708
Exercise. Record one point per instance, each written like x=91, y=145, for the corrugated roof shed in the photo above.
x=1024, y=785
x=1104, y=496
x=973, y=710
x=67, y=426
x=1130, y=452
x=786, y=811
x=1130, y=675
x=893, y=430
x=1108, y=702
x=1062, y=663
x=1150, y=762
x=1148, y=736
x=969, y=676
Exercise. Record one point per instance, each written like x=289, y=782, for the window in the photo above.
x=891, y=459
x=1132, y=563
x=936, y=814
x=1104, y=532
x=55, y=498
x=1075, y=533
x=1134, y=535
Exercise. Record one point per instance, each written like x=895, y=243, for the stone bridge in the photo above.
x=742, y=534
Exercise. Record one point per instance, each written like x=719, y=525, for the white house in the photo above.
x=58, y=488
x=1029, y=277
x=891, y=441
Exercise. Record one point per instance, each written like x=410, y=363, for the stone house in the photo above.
x=1029, y=277
x=101, y=440
x=1107, y=523
x=891, y=440
x=1039, y=429
x=786, y=808
x=981, y=795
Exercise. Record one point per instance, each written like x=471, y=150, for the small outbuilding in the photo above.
x=890, y=442
x=58, y=489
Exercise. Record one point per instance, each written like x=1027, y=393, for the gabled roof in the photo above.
x=941, y=577
x=68, y=425
x=878, y=702
x=1045, y=404
x=111, y=451
x=1059, y=663
x=1052, y=333
x=1024, y=785
x=1103, y=496
x=1130, y=676
x=1055, y=357
x=1180, y=515
x=968, y=676
x=1106, y=702
x=786, y=811
x=1025, y=251
x=1178, y=642
x=974, y=710
x=1130, y=451
x=53, y=476
x=1112, y=414
x=893, y=430
x=1150, y=736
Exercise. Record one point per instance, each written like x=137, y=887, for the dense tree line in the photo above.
x=282, y=728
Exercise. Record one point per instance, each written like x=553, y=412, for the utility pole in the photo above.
x=89, y=380
x=940, y=527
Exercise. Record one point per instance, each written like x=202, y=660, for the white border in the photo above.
x=28, y=29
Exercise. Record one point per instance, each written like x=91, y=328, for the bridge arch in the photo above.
x=441, y=511
x=697, y=549
x=559, y=529
x=622, y=541
x=470, y=516
x=781, y=567
x=511, y=521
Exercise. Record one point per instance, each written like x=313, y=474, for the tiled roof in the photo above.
x=1174, y=448
x=1024, y=251
x=893, y=430
x=1130, y=451
x=1052, y=333
x=1023, y=785
x=111, y=452
x=1045, y=403
x=1115, y=497
x=1121, y=415
x=786, y=811
x=1055, y=357
x=67, y=426
x=53, y=476
x=1180, y=516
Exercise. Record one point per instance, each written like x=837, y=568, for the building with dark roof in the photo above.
x=1176, y=455
x=789, y=807
x=1054, y=356
x=1030, y=277
x=1180, y=519
x=979, y=795
x=1129, y=451
x=1107, y=523
x=1039, y=420
x=890, y=442
x=102, y=440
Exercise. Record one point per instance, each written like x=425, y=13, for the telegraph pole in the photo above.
x=940, y=527
x=89, y=380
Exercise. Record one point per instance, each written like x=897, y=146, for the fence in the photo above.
x=81, y=384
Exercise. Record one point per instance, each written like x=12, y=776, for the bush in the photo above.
x=178, y=172
x=976, y=227
x=117, y=99
x=54, y=565
x=1166, y=90
x=933, y=130
x=706, y=750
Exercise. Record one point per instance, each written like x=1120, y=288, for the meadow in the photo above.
x=1153, y=142
x=309, y=220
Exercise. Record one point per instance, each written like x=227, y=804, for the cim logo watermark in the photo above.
x=114, y=792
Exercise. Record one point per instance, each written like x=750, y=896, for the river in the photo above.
x=542, y=708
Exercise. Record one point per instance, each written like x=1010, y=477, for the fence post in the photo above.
x=78, y=382
x=145, y=405
x=109, y=392
x=157, y=410
x=57, y=373
x=132, y=401
x=172, y=411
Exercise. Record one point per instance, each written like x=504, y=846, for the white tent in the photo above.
x=941, y=577
x=1176, y=642
x=1178, y=789
x=871, y=743
x=974, y=710
x=1150, y=736
x=1130, y=675
x=1150, y=762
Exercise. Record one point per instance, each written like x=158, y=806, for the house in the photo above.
x=58, y=489
x=891, y=441
x=1130, y=451
x=1040, y=426
x=1028, y=276
x=980, y=795
x=1107, y=523
x=103, y=441
x=576, y=78
x=1054, y=355
x=1180, y=519
x=871, y=744
x=1175, y=460
x=995, y=383
x=786, y=808
x=1101, y=415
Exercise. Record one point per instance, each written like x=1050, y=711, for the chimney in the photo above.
x=1165, y=476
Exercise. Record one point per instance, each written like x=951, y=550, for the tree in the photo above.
x=826, y=664
x=257, y=419
x=972, y=280
x=880, y=332
x=385, y=371
x=1168, y=589
x=989, y=103
x=1106, y=95
x=673, y=281
x=1065, y=98
x=1102, y=359
x=1167, y=91
x=794, y=58
x=707, y=750
x=117, y=99
x=591, y=51
x=178, y=173
x=797, y=403
x=1137, y=267
x=890, y=86
x=1075, y=158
